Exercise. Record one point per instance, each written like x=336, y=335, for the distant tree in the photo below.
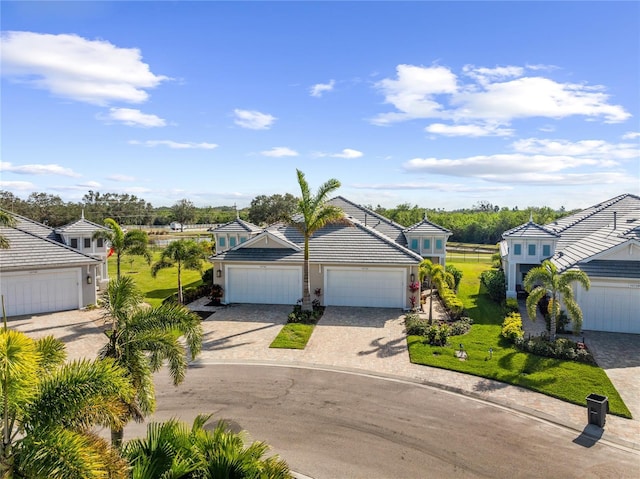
x=545, y=281
x=134, y=242
x=180, y=254
x=271, y=209
x=5, y=220
x=183, y=212
x=316, y=213
x=123, y=208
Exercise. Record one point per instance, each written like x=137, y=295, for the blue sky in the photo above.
x=439, y=104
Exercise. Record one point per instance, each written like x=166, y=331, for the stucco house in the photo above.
x=363, y=261
x=47, y=269
x=604, y=242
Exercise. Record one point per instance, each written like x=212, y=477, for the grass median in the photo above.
x=293, y=336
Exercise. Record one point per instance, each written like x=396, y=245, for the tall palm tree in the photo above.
x=134, y=242
x=435, y=274
x=173, y=449
x=545, y=280
x=5, y=220
x=316, y=213
x=141, y=338
x=181, y=254
x=48, y=410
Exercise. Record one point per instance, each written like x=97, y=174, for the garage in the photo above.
x=371, y=287
x=41, y=291
x=611, y=307
x=263, y=284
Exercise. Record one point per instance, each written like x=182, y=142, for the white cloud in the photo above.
x=319, y=88
x=597, y=149
x=175, y=145
x=17, y=185
x=348, y=153
x=632, y=135
x=254, y=120
x=279, y=151
x=468, y=130
x=491, y=97
x=38, y=169
x=91, y=71
x=444, y=187
x=121, y=178
x=133, y=117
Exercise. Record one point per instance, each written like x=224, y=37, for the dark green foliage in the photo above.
x=189, y=294
x=461, y=326
x=306, y=317
x=495, y=283
x=456, y=273
x=511, y=305
x=435, y=333
x=271, y=209
x=562, y=321
x=560, y=349
x=415, y=325
x=207, y=276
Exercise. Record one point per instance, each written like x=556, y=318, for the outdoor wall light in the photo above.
x=413, y=277
x=89, y=279
x=219, y=273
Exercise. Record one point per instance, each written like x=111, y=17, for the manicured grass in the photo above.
x=163, y=285
x=293, y=336
x=566, y=380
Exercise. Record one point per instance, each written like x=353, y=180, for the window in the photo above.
x=100, y=243
x=74, y=243
x=243, y=239
x=87, y=243
x=232, y=241
x=531, y=250
x=546, y=250
x=426, y=244
x=221, y=242
x=438, y=244
x=517, y=249
x=414, y=244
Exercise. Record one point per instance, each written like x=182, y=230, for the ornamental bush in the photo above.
x=511, y=305
x=496, y=284
x=456, y=273
x=560, y=349
x=512, y=327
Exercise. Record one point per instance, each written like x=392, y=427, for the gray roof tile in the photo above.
x=81, y=226
x=427, y=227
x=237, y=226
x=611, y=269
x=530, y=230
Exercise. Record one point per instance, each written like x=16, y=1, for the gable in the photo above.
x=628, y=251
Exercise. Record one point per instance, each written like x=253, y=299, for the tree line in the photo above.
x=482, y=223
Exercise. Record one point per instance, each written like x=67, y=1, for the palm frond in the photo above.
x=52, y=352
x=532, y=302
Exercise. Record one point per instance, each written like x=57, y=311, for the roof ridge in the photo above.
x=383, y=237
x=530, y=223
x=24, y=218
x=425, y=221
x=371, y=212
x=595, y=209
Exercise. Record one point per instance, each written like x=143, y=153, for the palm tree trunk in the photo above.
x=306, y=292
x=552, y=319
x=430, y=304
x=118, y=265
x=179, y=284
x=117, y=436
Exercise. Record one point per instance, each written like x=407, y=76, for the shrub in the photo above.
x=207, y=276
x=305, y=317
x=451, y=302
x=456, y=273
x=495, y=283
x=512, y=327
x=460, y=327
x=189, y=295
x=511, y=305
x=560, y=349
x=415, y=325
x=562, y=321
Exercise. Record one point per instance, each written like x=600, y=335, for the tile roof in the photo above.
x=34, y=227
x=610, y=269
x=530, y=230
x=31, y=246
x=237, y=226
x=335, y=243
x=371, y=219
x=81, y=226
x=427, y=227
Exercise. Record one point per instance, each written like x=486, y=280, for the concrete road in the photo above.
x=329, y=424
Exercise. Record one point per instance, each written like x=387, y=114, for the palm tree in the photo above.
x=182, y=254
x=173, y=449
x=49, y=408
x=434, y=274
x=316, y=213
x=135, y=242
x=545, y=280
x=5, y=220
x=141, y=338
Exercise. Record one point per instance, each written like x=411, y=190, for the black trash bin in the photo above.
x=597, y=409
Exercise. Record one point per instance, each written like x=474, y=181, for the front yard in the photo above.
x=566, y=380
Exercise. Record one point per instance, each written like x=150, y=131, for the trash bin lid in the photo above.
x=596, y=397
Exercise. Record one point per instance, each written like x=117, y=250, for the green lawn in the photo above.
x=566, y=380
x=293, y=336
x=163, y=285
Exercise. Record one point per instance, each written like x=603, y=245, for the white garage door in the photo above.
x=264, y=285
x=382, y=288
x=611, y=308
x=41, y=291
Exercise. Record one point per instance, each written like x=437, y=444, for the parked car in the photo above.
x=174, y=225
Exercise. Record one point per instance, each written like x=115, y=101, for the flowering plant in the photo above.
x=413, y=301
x=415, y=286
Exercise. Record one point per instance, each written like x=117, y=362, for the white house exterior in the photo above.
x=604, y=242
